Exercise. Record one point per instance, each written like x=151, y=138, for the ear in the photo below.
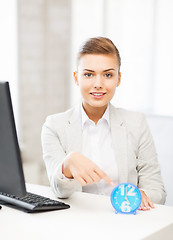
x=119, y=79
x=75, y=78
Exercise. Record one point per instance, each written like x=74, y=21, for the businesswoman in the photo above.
x=95, y=146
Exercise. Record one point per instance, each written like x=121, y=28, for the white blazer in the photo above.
x=134, y=148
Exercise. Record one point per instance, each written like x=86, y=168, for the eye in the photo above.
x=88, y=75
x=108, y=75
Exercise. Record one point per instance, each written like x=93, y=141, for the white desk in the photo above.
x=90, y=217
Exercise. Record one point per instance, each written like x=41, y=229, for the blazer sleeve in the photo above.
x=53, y=155
x=148, y=168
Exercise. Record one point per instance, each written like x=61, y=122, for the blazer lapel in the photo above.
x=74, y=131
x=119, y=137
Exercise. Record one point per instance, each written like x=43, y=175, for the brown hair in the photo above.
x=99, y=45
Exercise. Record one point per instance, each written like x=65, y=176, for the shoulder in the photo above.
x=59, y=116
x=134, y=123
x=61, y=119
x=125, y=115
x=130, y=119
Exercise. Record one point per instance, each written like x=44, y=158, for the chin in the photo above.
x=99, y=105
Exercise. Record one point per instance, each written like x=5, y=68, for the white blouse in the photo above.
x=97, y=146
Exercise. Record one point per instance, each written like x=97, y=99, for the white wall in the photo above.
x=9, y=48
x=44, y=36
x=142, y=31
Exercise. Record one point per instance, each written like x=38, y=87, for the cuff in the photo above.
x=61, y=176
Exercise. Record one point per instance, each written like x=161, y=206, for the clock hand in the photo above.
x=127, y=199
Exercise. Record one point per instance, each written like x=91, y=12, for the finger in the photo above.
x=143, y=208
x=83, y=179
x=80, y=180
x=104, y=176
x=95, y=176
x=144, y=205
x=78, y=176
x=87, y=179
x=150, y=203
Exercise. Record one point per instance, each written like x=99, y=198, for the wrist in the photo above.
x=66, y=171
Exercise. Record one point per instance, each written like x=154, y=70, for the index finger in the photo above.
x=104, y=176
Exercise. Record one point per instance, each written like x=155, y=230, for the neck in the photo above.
x=94, y=113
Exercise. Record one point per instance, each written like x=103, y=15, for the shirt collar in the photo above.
x=85, y=117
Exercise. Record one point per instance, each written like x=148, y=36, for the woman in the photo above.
x=95, y=146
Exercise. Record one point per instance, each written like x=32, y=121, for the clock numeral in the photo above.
x=131, y=192
x=128, y=193
x=125, y=207
x=122, y=190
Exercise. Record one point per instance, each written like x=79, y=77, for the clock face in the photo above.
x=126, y=198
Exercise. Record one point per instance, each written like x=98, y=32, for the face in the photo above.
x=97, y=77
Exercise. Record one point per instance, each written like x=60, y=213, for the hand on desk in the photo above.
x=146, y=202
x=83, y=170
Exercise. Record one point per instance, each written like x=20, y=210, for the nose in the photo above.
x=98, y=82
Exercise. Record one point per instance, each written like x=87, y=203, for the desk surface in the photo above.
x=90, y=217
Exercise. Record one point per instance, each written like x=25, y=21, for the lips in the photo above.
x=97, y=95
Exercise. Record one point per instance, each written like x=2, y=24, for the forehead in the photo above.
x=98, y=61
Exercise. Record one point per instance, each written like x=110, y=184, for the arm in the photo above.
x=149, y=174
x=53, y=155
x=67, y=172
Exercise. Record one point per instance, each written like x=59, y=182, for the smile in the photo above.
x=97, y=95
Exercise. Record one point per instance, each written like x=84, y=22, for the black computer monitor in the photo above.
x=11, y=171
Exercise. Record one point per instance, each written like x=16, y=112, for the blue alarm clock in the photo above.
x=126, y=198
